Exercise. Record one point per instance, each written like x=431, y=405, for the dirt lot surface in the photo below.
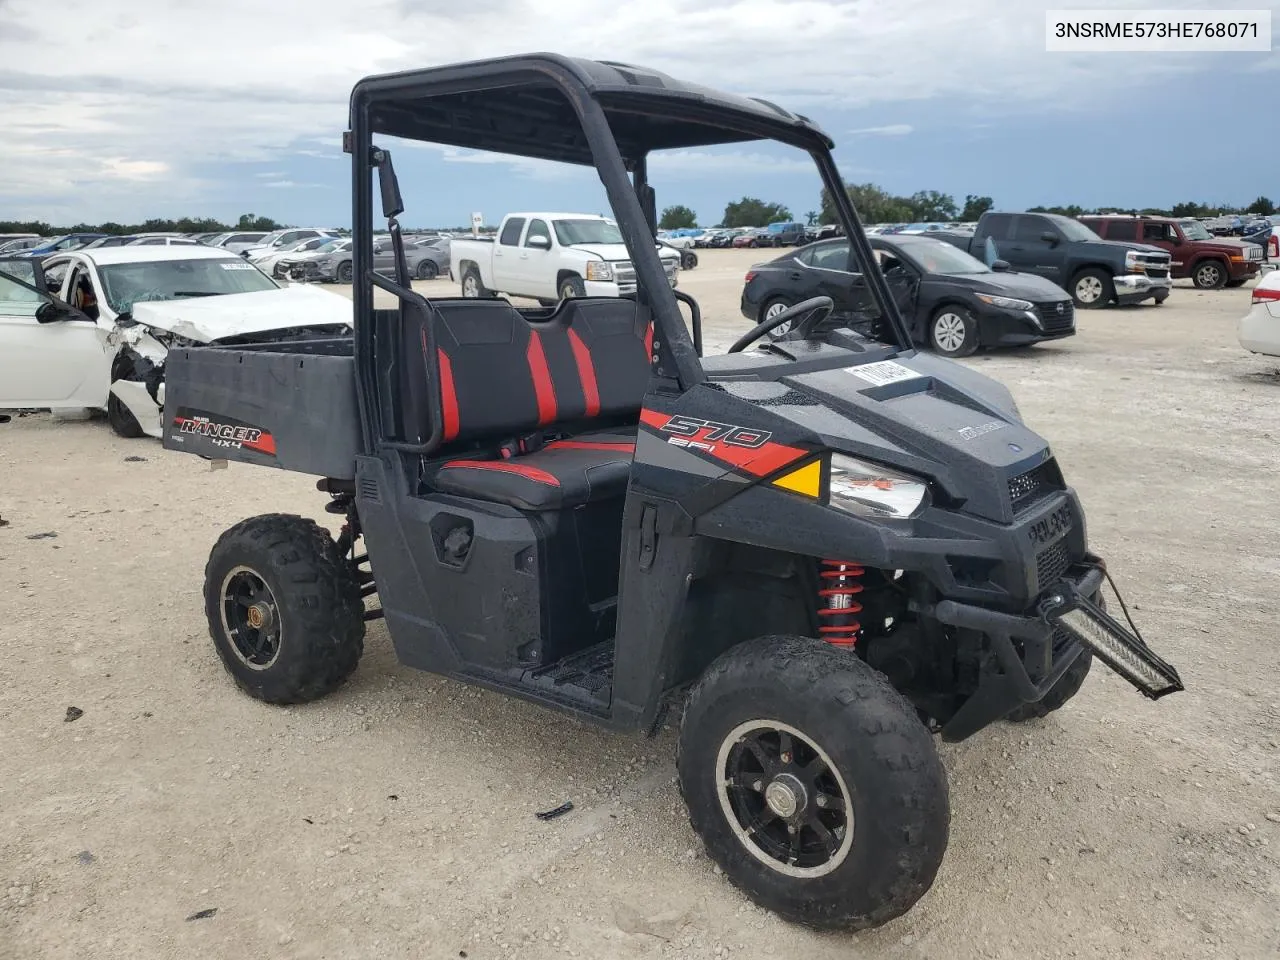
x=396, y=819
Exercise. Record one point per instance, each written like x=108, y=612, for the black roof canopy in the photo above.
x=524, y=106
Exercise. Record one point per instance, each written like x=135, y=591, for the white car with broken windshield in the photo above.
x=90, y=330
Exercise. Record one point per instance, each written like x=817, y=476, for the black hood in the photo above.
x=1023, y=286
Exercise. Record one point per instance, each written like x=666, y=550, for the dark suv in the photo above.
x=1210, y=261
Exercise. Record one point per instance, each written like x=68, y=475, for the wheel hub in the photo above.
x=786, y=796
x=259, y=616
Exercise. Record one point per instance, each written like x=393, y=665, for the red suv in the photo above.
x=1210, y=261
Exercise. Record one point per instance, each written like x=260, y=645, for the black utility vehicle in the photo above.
x=820, y=552
x=1094, y=271
x=951, y=302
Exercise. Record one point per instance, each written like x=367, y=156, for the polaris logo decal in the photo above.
x=225, y=432
x=1053, y=526
x=981, y=430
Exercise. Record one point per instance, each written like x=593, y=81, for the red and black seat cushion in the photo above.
x=562, y=474
x=504, y=376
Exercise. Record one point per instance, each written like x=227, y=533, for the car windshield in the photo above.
x=1073, y=229
x=333, y=246
x=570, y=232
x=941, y=257
x=1195, y=230
x=125, y=284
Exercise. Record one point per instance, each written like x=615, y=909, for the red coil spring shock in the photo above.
x=838, y=620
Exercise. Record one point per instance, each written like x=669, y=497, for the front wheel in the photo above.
x=427, y=270
x=284, y=609
x=344, y=272
x=122, y=420
x=813, y=784
x=1092, y=288
x=953, y=332
x=572, y=288
x=1209, y=275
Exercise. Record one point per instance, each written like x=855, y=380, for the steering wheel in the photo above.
x=814, y=310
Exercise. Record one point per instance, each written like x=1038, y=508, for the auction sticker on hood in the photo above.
x=884, y=371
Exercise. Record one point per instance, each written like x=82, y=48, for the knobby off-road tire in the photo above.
x=281, y=576
x=864, y=767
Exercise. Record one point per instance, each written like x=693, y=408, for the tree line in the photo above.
x=247, y=221
x=876, y=205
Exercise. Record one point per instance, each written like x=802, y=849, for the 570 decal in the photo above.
x=705, y=434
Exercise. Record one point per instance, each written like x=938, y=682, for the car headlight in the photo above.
x=1008, y=303
x=870, y=490
x=599, y=270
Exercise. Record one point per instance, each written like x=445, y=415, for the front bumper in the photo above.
x=1133, y=287
x=311, y=271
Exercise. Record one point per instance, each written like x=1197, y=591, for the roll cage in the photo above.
x=590, y=113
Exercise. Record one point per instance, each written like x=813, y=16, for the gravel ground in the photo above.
x=395, y=819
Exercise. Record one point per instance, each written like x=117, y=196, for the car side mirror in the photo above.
x=539, y=243
x=55, y=311
x=1001, y=266
x=1050, y=238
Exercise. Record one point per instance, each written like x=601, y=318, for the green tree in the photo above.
x=750, y=212
x=975, y=206
x=249, y=221
x=677, y=217
x=873, y=204
x=1262, y=206
x=811, y=218
x=932, y=205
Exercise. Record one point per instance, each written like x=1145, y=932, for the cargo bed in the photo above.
x=290, y=405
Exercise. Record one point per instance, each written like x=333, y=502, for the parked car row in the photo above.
x=952, y=302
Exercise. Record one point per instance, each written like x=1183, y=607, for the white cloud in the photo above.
x=892, y=130
x=170, y=89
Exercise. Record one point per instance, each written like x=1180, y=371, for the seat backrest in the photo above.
x=503, y=374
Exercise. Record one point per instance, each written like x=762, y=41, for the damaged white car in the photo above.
x=90, y=330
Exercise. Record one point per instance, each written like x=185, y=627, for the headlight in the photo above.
x=1131, y=262
x=1008, y=303
x=869, y=490
x=599, y=270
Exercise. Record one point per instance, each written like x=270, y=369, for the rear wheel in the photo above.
x=1209, y=275
x=953, y=332
x=472, y=286
x=770, y=310
x=284, y=609
x=813, y=784
x=1092, y=288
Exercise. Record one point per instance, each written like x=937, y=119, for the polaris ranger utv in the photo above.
x=824, y=551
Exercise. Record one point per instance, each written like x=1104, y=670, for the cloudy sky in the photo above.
x=152, y=108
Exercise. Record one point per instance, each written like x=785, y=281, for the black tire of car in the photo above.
x=344, y=272
x=691, y=262
x=314, y=595
x=472, y=286
x=1161, y=298
x=1238, y=282
x=1101, y=277
x=767, y=306
x=427, y=270
x=1209, y=274
x=969, y=339
x=122, y=420
x=889, y=776
x=571, y=288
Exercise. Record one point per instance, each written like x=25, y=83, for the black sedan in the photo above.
x=952, y=303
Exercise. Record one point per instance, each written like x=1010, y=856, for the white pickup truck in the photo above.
x=550, y=257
